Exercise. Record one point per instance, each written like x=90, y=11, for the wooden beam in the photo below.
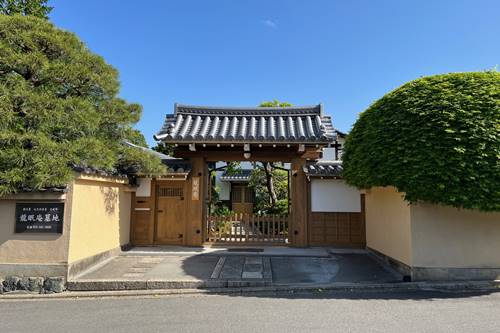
x=311, y=154
x=238, y=156
x=265, y=153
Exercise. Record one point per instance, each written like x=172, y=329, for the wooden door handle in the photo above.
x=160, y=211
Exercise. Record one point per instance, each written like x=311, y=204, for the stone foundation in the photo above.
x=453, y=274
x=35, y=284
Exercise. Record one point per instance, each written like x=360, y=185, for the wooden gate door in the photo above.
x=242, y=199
x=343, y=229
x=170, y=213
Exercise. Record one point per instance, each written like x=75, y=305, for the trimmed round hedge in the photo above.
x=437, y=139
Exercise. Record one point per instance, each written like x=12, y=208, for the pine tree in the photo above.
x=38, y=8
x=59, y=108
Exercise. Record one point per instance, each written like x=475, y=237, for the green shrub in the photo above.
x=437, y=139
x=281, y=207
x=222, y=210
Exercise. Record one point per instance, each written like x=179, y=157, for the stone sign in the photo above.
x=39, y=217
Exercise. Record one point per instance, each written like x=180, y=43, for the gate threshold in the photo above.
x=282, y=251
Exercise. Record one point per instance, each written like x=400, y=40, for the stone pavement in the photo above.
x=173, y=269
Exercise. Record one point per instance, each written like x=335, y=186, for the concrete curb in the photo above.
x=465, y=286
x=114, y=285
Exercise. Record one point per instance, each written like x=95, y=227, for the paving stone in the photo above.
x=267, y=273
x=252, y=268
x=144, y=265
x=133, y=275
x=138, y=270
x=218, y=268
x=151, y=260
x=255, y=283
x=253, y=260
x=233, y=267
x=251, y=275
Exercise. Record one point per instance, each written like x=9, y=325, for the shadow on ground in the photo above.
x=415, y=295
x=355, y=275
x=345, y=268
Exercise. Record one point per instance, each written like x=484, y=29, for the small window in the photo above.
x=170, y=192
x=241, y=194
x=236, y=195
x=248, y=195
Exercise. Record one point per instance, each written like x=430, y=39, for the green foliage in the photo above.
x=233, y=168
x=262, y=202
x=164, y=148
x=136, y=137
x=222, y=210
x=437, y=139
x=281, y=207
x=59, y=107
x=275, y=103
x=38, y=8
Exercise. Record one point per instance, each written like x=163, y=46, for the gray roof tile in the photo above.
x=323, y=169
x=304, y=124
x=242, y=175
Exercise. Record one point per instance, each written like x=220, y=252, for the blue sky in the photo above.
x=345, y=54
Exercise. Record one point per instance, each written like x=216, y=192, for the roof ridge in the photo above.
x=247, y=107
x=201, y=109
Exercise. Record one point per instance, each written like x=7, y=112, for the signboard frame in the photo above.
x=39, y=217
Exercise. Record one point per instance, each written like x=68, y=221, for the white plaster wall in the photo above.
x=144, y=189
x=328, y=154
x=224, y=187
x=341, y=141
x=449, y=237
x=388, y=223
x=333, y=195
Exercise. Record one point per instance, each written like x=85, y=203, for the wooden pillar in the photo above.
x=299, y=214
x=195, y=196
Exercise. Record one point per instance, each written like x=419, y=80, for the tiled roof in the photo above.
x=173, y=164
x=177, y=166
x=323, y=169
x=242, y=175
x=207, y=124
x=340, y=133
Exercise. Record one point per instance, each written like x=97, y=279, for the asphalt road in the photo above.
x=318, y=312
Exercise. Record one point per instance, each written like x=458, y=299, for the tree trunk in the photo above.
x=268, y=169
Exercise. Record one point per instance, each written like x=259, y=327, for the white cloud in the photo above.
x=270, y=24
